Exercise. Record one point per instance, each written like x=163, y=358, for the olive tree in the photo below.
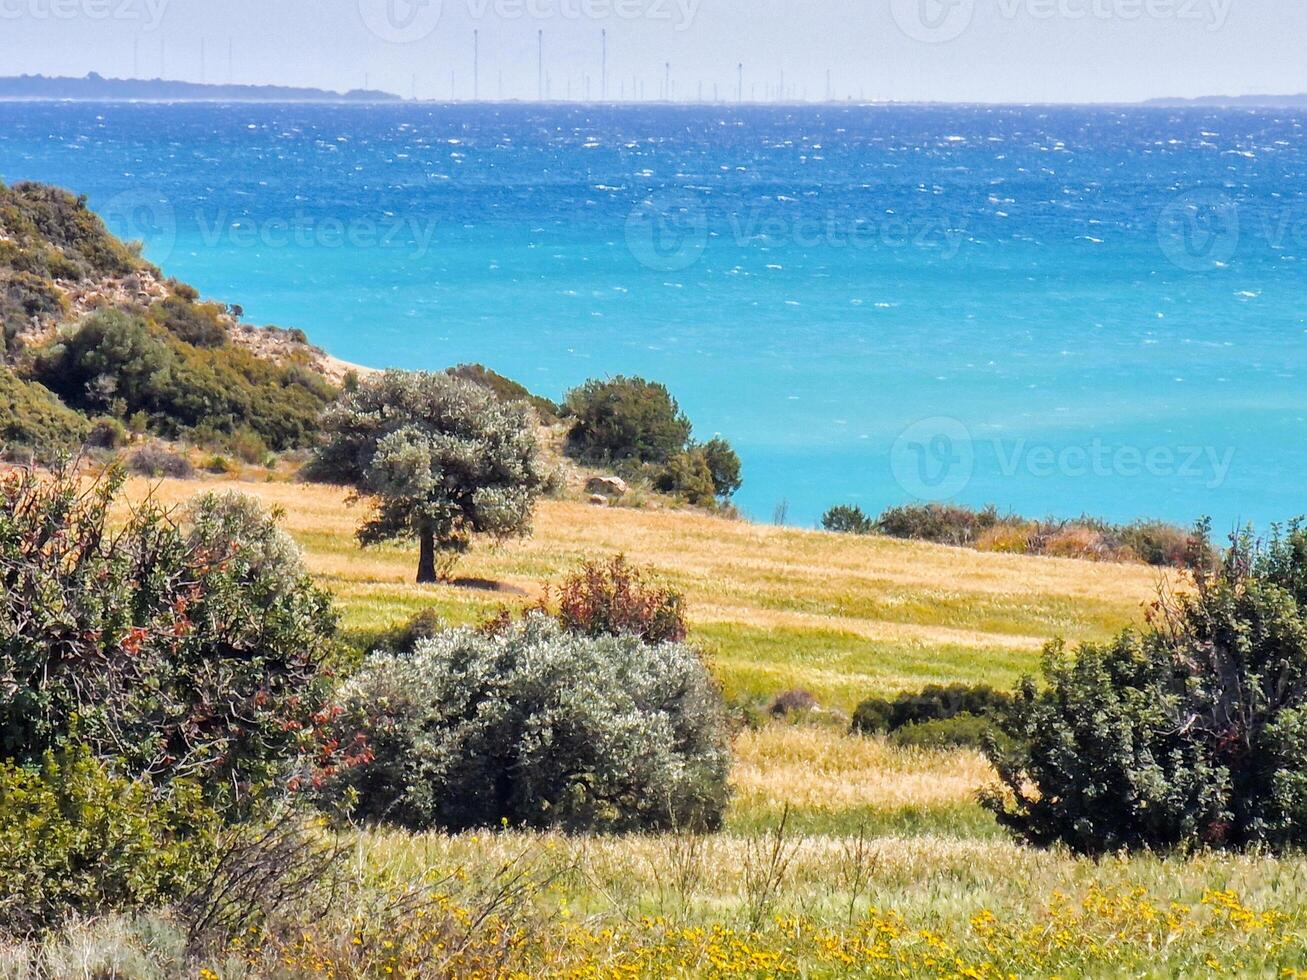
x=442, y=458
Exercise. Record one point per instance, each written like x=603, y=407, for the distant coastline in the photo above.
x=96, y=88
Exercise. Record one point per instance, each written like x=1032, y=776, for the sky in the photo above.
x=904, y=50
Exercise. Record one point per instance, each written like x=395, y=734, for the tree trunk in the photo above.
x=426, y=555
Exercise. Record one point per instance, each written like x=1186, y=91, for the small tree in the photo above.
x=626, y=419
x=1190, y=732
x=724, y=465
x=442, y=457
x=847, y=519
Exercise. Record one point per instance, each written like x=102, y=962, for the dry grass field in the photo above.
x=776, y=608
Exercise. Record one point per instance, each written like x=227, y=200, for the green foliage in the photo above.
x=123, y=364
x=535, y=726
x=616, y=598
x=723, y=465
x=107, y=432
x=961, y=731
x=188, y=647
x=637, y=426
x=506, y=389
x=198, y=324
x=76, y=838
x=32, y=417
x=443, y=458
x=934, y=702
x=54, y=235
x=847, y=519
x=625, y=419
x=1187, y=733
x=687, y=475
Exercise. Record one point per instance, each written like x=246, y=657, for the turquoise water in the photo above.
x=1055, y=310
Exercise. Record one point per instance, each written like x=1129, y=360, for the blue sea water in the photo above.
x=1057, y=310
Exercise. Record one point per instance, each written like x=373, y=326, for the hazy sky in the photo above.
x=959, y=50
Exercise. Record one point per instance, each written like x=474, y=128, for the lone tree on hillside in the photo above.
x=442, y=456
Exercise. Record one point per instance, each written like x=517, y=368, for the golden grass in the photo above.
x=776, y=607
x=814, y=768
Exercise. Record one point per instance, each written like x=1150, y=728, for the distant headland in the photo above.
x=97, y=88
x=1236, y=101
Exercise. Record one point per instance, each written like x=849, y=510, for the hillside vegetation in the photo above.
x=91, y=330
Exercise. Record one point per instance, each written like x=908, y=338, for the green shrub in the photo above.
x=198, y=324
x=26, y=300
x=248, y=446
x=1191, y=732
x=77, y=838
x=125, y=364
x=934, y=702
x=625, y=419
x=535, y=726
x=32, y=417
x=422, y=625
x=960, y=731
x=847, y=519
x=107, y=432
x=688, y=476
x=184, y=646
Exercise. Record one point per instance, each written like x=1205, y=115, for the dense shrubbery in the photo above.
x=187, y=648
x=535, y=726
x=1190, y=732
x=444, y=459
x=1154, y=542
x=76, y=838
x=934, y=702
x=636, y=426
x=32, y=418
x=123, y=364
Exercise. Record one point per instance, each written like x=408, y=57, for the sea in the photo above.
x=1055, y=310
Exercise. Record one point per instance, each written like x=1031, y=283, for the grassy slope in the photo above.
x=776, y=607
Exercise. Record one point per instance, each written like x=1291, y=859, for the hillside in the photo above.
x=842, y=616
x=91, y=332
